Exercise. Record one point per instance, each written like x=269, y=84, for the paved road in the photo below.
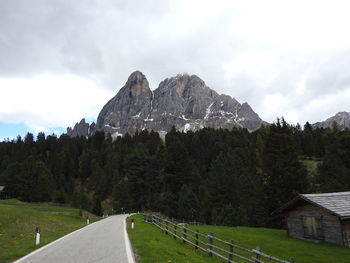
x=102, y=242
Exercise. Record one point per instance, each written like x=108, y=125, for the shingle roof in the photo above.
x=337, y=203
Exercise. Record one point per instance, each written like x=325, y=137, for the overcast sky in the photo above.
x=62, y=60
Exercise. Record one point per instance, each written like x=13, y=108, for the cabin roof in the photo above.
x=336, y=203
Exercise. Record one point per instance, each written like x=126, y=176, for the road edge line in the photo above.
x=127, y=244
x=50, y=244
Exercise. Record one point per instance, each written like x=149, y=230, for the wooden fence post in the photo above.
x=184, y=229
x=211, y=241
x=166, y=227
x=175, y=227
x=257, y=256
x=197, y=235
x=291, y=260
x=231, y=251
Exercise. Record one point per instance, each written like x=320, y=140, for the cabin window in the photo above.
x=312, y=227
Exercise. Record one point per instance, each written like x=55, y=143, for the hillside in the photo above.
x=18, y=221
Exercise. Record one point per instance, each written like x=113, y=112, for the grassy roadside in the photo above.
x=276, y=243
x=18, y=221
x=152, y=245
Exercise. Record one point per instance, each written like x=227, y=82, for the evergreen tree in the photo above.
x=188, y=205
x=284, y=176
x=334, y=172
x=229, y=177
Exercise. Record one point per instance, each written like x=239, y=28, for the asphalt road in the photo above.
x=102, y=242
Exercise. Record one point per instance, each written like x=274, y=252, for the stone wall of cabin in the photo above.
x=331, y=225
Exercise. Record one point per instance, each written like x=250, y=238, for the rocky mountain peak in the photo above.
x=137, y=84
x=246, y=107
x=132, y=102
x=136, y=76
x=183, y=101
x=185, y=95
x=343, y=115
x=81, y=129
x=184, y=84
x=342, y=119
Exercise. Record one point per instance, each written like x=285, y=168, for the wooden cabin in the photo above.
x=324, y=217
x=3, y=193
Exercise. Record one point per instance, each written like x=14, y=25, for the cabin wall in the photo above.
x=331, y=226
x=2, y=195
x=346, y=232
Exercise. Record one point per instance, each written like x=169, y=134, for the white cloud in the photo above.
x=324, y=107
x=282, y=57
x=48, y=101
x=305, y=26
x=271, y=102
x=294, y=111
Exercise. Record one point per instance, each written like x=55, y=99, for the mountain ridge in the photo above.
x=342, y=119
x=183, y=101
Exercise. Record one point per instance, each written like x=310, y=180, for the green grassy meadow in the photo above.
x=311, y=165
x=277, y=243
x=18, y=221
x=152, y=245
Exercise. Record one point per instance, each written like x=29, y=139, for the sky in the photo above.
x=62, y=60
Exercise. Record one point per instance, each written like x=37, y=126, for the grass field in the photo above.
x=18, y=221
x=311, y=165
x=152, y=245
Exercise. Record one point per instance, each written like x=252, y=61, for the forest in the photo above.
x=223, y=177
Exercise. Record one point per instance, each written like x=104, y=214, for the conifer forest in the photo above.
x=224, y=177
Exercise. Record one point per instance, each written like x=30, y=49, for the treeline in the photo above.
x=213, y=176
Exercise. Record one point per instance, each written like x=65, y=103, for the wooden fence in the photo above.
x=208, y=243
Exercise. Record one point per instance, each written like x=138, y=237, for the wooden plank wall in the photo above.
x=331, y=225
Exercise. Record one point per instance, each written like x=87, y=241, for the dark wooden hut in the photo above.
x=323, y=217
x=3, y=193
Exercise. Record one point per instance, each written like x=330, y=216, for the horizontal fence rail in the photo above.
x=208, y=243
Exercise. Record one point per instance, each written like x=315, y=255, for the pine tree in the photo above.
x=334, y=171
x=284, y=176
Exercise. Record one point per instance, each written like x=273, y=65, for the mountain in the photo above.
x=342, y=119
x=81, y=129
x=183, y=101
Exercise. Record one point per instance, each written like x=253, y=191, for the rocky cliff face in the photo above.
x=183, y=101
x=341, y=118
x=81, y=129
x=129, y=109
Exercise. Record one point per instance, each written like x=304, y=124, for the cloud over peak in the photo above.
x=285, y=58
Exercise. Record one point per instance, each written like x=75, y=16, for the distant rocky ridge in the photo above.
x=81, y=129
x=342, y=119
x=183, y=101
